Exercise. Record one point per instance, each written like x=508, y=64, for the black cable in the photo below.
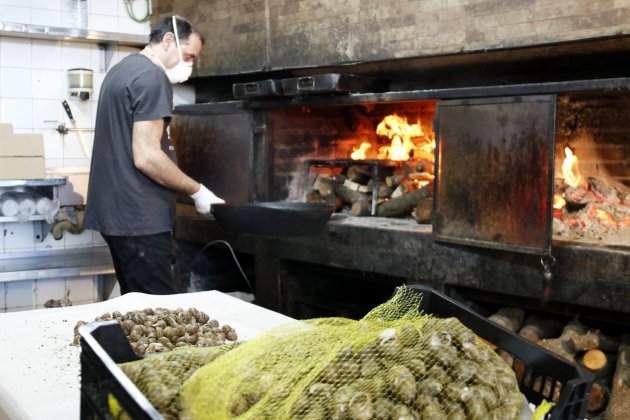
x=233, y=256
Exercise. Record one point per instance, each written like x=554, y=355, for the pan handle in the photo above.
x=305, y=83
x=251, y=88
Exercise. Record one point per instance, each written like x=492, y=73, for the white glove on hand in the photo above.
x=204, y=198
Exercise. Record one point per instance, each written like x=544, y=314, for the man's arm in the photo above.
x=149, y=158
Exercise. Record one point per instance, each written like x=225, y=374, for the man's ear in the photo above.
x=167, y=39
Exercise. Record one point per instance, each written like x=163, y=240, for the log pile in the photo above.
x=401, y=194
x=606, y=356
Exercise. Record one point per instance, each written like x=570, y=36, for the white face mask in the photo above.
x=182, y=70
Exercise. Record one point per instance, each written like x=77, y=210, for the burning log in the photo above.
x=425, y=165
x=536, y=328
x=619, y=405
x=402, y=205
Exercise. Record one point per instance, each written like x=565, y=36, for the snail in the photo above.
x=161, y=329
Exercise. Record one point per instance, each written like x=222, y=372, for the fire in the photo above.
x=400, y=132
x=407, y=141
x=359, y=154
x=570, y=170
x=558, y=202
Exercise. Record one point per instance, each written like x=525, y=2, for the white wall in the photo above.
x=33, y=82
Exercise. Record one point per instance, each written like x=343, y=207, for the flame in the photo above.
x=558, y=202
x=401, y=133
x=359, y=154
x=570, y=170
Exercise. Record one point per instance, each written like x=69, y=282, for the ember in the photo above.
x=587, y=207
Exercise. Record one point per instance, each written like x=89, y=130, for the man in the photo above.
x=133, y=177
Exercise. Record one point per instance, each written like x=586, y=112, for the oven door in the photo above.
x=494, y=166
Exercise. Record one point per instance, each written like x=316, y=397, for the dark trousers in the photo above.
x=143, y=263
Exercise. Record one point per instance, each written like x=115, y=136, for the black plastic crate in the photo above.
x=544, y=370
x=104, y=344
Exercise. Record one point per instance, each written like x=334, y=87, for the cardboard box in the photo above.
x=6, y=130
x=25, y=145
x=22, y=167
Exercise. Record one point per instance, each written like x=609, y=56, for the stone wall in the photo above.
x=246, y=36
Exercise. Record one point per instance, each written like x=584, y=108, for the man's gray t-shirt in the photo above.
x=121, y=200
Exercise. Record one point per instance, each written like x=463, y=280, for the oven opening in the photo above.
x=378, y=159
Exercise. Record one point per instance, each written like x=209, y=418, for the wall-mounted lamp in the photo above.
x=80, y=83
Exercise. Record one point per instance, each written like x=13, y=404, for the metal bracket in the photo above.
x=106, y=52
x=547, y=261
x=41, y=230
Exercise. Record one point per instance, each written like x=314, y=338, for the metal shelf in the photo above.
x=43, y=182
x=107, y=41
x=42, y=227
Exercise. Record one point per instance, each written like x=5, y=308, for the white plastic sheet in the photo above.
x=40, y=369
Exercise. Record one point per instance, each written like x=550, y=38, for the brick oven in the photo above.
x=512, y=93
x=429, y=53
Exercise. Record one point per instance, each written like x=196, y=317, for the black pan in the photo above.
x=272, y=218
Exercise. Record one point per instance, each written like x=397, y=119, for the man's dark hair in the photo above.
x=184, y=29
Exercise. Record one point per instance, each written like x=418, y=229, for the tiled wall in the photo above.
x=33, y=82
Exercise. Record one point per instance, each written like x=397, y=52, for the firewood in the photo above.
x=619, y=405
x=425, y=165
x=598, y=398
x=382, y=190
x=562, y=345
x=421, y=176
x=594, y=360
x=509, y=318
x=361, y=208
x=393, y=181
x=608, y=343
x=587, y=341
x=326, y=186
x=423, y=210
x=358, y=173
x=316, y=197
x=545, y=389
x=355, y=186
x=401, y=190
x=535, y=328
x=403, y=205
x=350, y=196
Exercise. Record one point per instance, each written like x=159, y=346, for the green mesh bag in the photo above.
x=395, y=363
x=160, y=376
